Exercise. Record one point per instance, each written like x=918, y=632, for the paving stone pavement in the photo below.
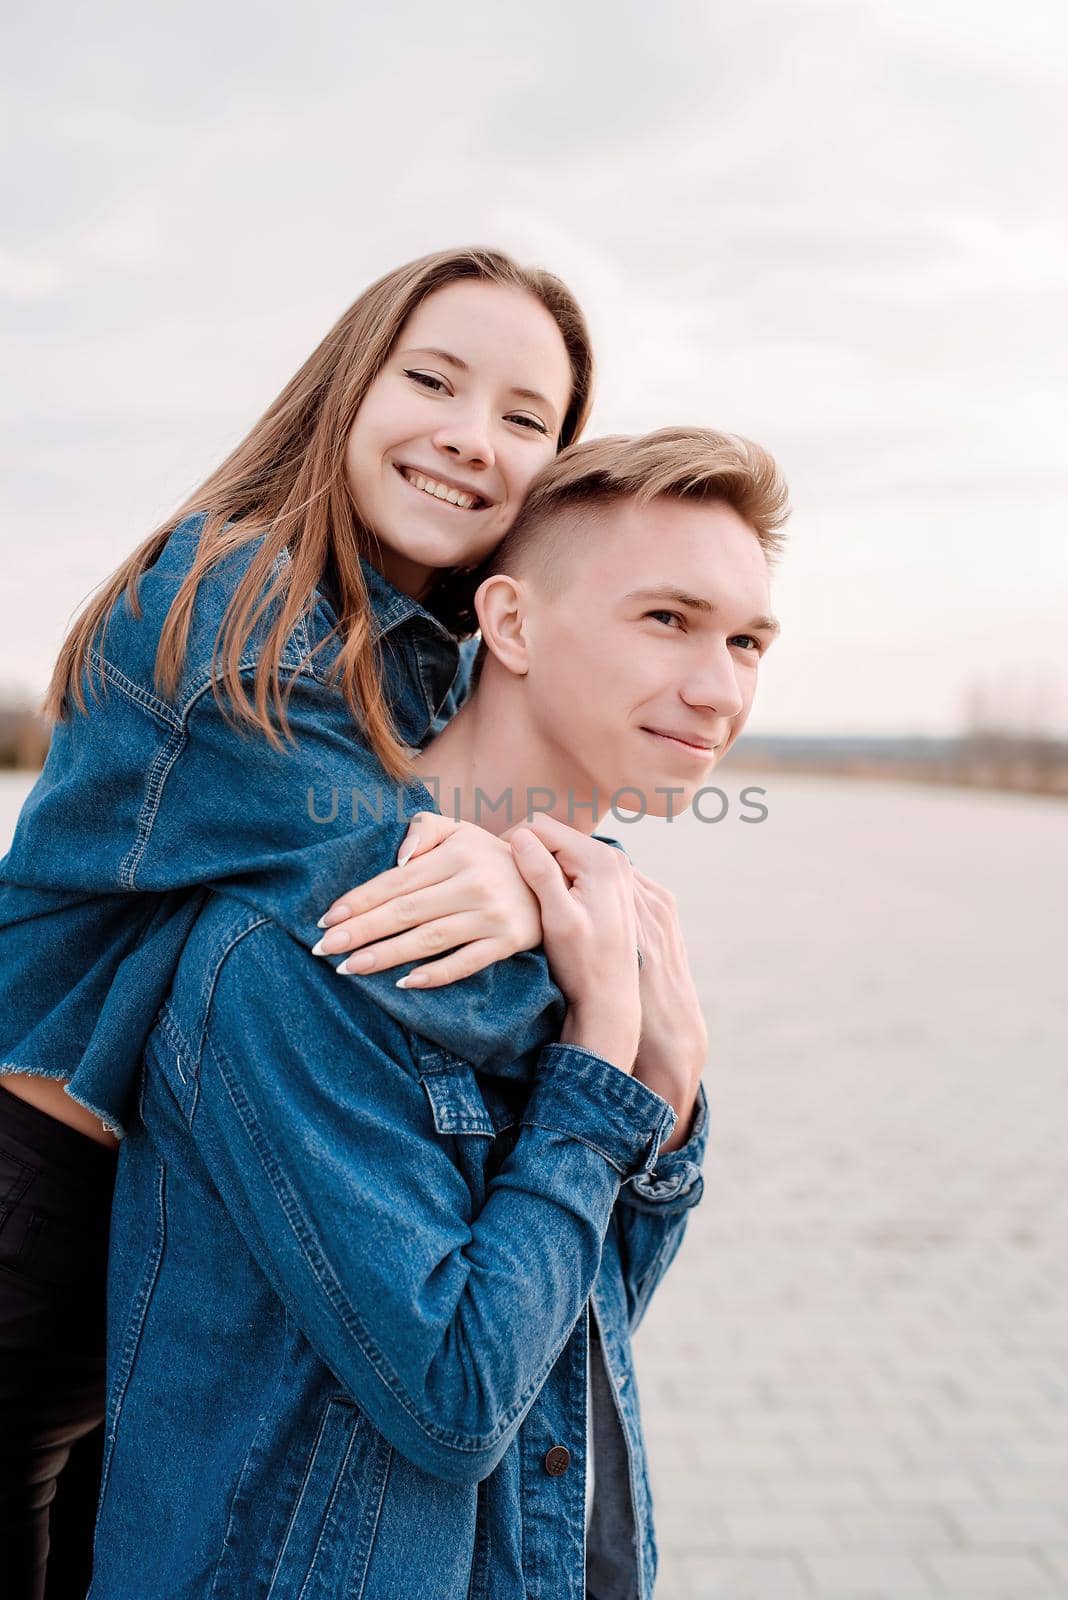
x=855, y=1378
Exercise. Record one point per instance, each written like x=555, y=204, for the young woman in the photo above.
x=299, y=614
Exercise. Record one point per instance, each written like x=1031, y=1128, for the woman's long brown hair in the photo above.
x=286, y=483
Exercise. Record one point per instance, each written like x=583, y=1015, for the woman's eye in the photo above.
x=529, y=422
x=427, y=380
x=672, y=616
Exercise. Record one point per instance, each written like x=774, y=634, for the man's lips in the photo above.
x=695, y=743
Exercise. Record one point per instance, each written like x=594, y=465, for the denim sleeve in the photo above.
x=440, y=1307
x=288, y=828
x=287, y=831
x=653, y=1209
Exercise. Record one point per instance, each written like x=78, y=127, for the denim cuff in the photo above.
x=585, y=1097
x=676, y=1178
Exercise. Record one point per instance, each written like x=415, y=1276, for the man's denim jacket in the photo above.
x=357, y=1227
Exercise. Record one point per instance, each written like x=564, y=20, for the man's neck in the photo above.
x=490, y=767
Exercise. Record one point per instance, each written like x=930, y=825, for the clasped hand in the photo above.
x=459, y=889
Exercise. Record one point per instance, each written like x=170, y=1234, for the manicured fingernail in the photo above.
x=414, y=980
x=407, y=853
x=328, y=918
x=359, y=961
x=317, y=949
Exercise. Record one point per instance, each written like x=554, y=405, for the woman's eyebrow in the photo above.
x=461, y=366
x=442, y=355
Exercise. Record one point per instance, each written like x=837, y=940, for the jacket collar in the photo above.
x=391, y=609
x=420, y=657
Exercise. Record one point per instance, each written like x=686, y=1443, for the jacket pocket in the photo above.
x=326, y=1547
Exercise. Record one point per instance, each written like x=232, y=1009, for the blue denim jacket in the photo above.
x=352, y=1285
x=149, y=816
x=147, y=801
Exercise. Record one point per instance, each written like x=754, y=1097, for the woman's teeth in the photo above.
x=441, y=491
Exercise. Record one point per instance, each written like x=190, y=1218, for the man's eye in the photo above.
x=534, y=423
x=753, y=641
x=672, y=616
x=427, y=380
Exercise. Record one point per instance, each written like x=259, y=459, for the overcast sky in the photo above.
x=839, y=228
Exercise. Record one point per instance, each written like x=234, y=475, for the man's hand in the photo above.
x=674, y=1040
x=586, y=893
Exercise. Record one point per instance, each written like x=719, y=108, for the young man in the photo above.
x=364, y=1276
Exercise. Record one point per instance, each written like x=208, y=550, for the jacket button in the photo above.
x=557, y=1460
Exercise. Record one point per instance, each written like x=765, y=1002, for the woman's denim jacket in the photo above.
x=147, y=801
x=362, y=1235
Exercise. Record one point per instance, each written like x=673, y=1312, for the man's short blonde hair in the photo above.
x=569, y=495
x=687, y=463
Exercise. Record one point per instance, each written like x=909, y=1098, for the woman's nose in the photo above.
x=467, y=439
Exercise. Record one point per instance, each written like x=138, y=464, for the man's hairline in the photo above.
x=598, y=505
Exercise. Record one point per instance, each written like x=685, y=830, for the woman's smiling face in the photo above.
x=465, y=412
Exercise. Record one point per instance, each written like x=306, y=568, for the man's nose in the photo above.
x=714, y=686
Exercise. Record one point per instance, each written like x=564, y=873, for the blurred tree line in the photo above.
x=24, y=733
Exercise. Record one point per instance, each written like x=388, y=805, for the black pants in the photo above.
x=55, y=1206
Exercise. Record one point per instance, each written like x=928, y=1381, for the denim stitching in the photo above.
x=380, y=1447
x=331, y=1289
x=168, y=1025
x=574, y=1138
x=290, y=664
x=385, y=1454
x=249, y=923
x=133, y=691
x=138, y=1313
x=428, y=699
x=300, y=1498
x=331, y=1503
x=158, y=773
x=265, y=1423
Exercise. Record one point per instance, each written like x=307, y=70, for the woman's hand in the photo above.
x=586, y=892
x=455, y=888
x=674, y=1041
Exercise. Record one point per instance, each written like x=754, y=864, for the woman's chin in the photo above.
x=435, y=549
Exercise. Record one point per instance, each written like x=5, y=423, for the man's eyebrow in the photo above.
x=461, y=366
x=763, y=624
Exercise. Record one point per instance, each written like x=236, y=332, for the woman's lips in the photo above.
x=426, y=483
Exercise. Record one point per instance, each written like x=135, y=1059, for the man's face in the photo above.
x=643, y=669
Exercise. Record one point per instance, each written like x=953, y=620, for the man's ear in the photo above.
x=500, y=604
